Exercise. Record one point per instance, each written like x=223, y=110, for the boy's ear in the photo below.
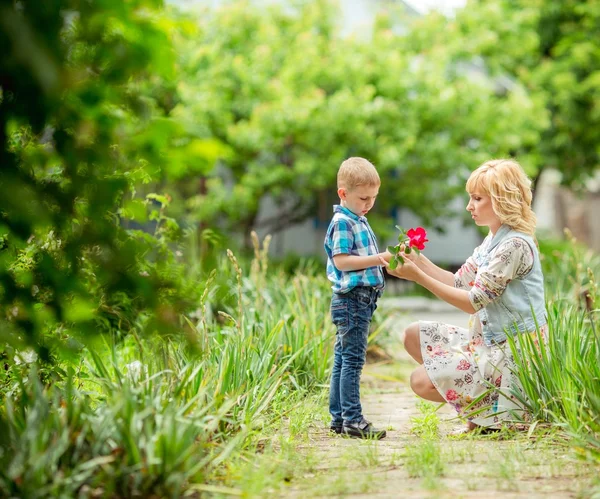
x=342, y=193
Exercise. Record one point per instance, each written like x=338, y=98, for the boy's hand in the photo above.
x=386, y=255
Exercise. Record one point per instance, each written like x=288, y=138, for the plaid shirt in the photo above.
x=351, y=235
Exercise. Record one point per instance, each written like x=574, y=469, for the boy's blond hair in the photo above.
x=509, y=188
x=355, y=172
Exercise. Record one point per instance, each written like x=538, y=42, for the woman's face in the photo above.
x=480, y=208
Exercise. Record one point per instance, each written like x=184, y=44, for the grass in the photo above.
x=423, y=458
x=232, y=406
x=426, y=425
x=159, y=416
x=561, y=378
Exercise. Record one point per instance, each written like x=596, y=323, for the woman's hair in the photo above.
x=509, y=188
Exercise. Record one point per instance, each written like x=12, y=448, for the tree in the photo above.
x=82, y=87
x=552, y=50
x=291, y=98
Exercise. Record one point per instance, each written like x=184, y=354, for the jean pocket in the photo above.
x=363, y=298
x=339, y=313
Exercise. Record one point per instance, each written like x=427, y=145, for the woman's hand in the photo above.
x=412, y=256
x=408, y=270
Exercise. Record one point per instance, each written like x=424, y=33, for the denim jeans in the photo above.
x=351, y=313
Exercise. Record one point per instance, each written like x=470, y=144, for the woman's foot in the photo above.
x=472, y=427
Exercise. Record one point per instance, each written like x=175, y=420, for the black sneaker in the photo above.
x=334, y=428
x=364, y=429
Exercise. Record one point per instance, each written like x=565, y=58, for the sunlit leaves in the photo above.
x=292, y=97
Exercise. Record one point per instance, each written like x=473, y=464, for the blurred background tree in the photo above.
x=124, y=126
x=552, y=50
x=291, y=97
x=86, y=95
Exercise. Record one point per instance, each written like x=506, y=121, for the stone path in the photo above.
x=474, y=467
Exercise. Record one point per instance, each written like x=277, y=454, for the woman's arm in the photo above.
x=458, y=298
x=432, y=270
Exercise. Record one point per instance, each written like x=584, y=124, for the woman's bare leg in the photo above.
x=423, y=387
x=412, y=341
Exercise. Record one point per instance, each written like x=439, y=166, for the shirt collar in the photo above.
x=337, y=208
x=499, y=235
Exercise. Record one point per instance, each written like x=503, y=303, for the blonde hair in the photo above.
x=355, y=172
x=509, y=188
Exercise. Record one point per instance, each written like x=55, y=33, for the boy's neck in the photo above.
x=343, y=205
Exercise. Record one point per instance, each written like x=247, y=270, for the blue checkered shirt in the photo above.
x=351, y=235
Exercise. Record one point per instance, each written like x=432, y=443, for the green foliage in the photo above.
x=426, y=425
x=569, y=270
x=84, y=121
x=551, y=50
x=561, y=379
x=159, y=415
x=424, y=459
x=290, y=97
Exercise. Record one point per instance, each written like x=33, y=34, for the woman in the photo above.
x=501, y=285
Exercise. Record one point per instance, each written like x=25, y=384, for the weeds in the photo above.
x=423, y=459
x=561, y=378
x=160, y=416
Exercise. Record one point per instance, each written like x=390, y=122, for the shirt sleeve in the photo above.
x=465, y=276
x=512, y=259
x=342, y=238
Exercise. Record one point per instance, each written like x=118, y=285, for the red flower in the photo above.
x=418, y=238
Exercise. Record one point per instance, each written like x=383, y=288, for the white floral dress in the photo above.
x=459, y=364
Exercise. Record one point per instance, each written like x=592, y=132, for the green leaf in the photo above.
x=158, y=197
x=135, y=209
x=80, y=310
x=393, y=263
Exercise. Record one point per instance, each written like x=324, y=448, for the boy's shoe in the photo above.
x=364, y=429
x=335, y=428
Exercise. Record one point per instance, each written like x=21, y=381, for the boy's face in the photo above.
x=358, y=200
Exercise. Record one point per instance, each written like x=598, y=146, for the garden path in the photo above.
x=473, y=467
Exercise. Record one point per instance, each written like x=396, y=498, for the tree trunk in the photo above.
x=248, y=227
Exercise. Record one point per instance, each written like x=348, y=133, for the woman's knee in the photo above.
x=423, y=386
x=411, y=335
x=420, y=382
x=412, y=341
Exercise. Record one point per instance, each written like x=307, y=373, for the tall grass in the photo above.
x=561, y=379
x=159, y=416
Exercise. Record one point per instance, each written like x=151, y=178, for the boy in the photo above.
x=353, y=266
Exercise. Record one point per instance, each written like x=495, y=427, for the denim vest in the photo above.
x=522, y=303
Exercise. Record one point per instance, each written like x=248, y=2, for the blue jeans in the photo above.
x=351, y=313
